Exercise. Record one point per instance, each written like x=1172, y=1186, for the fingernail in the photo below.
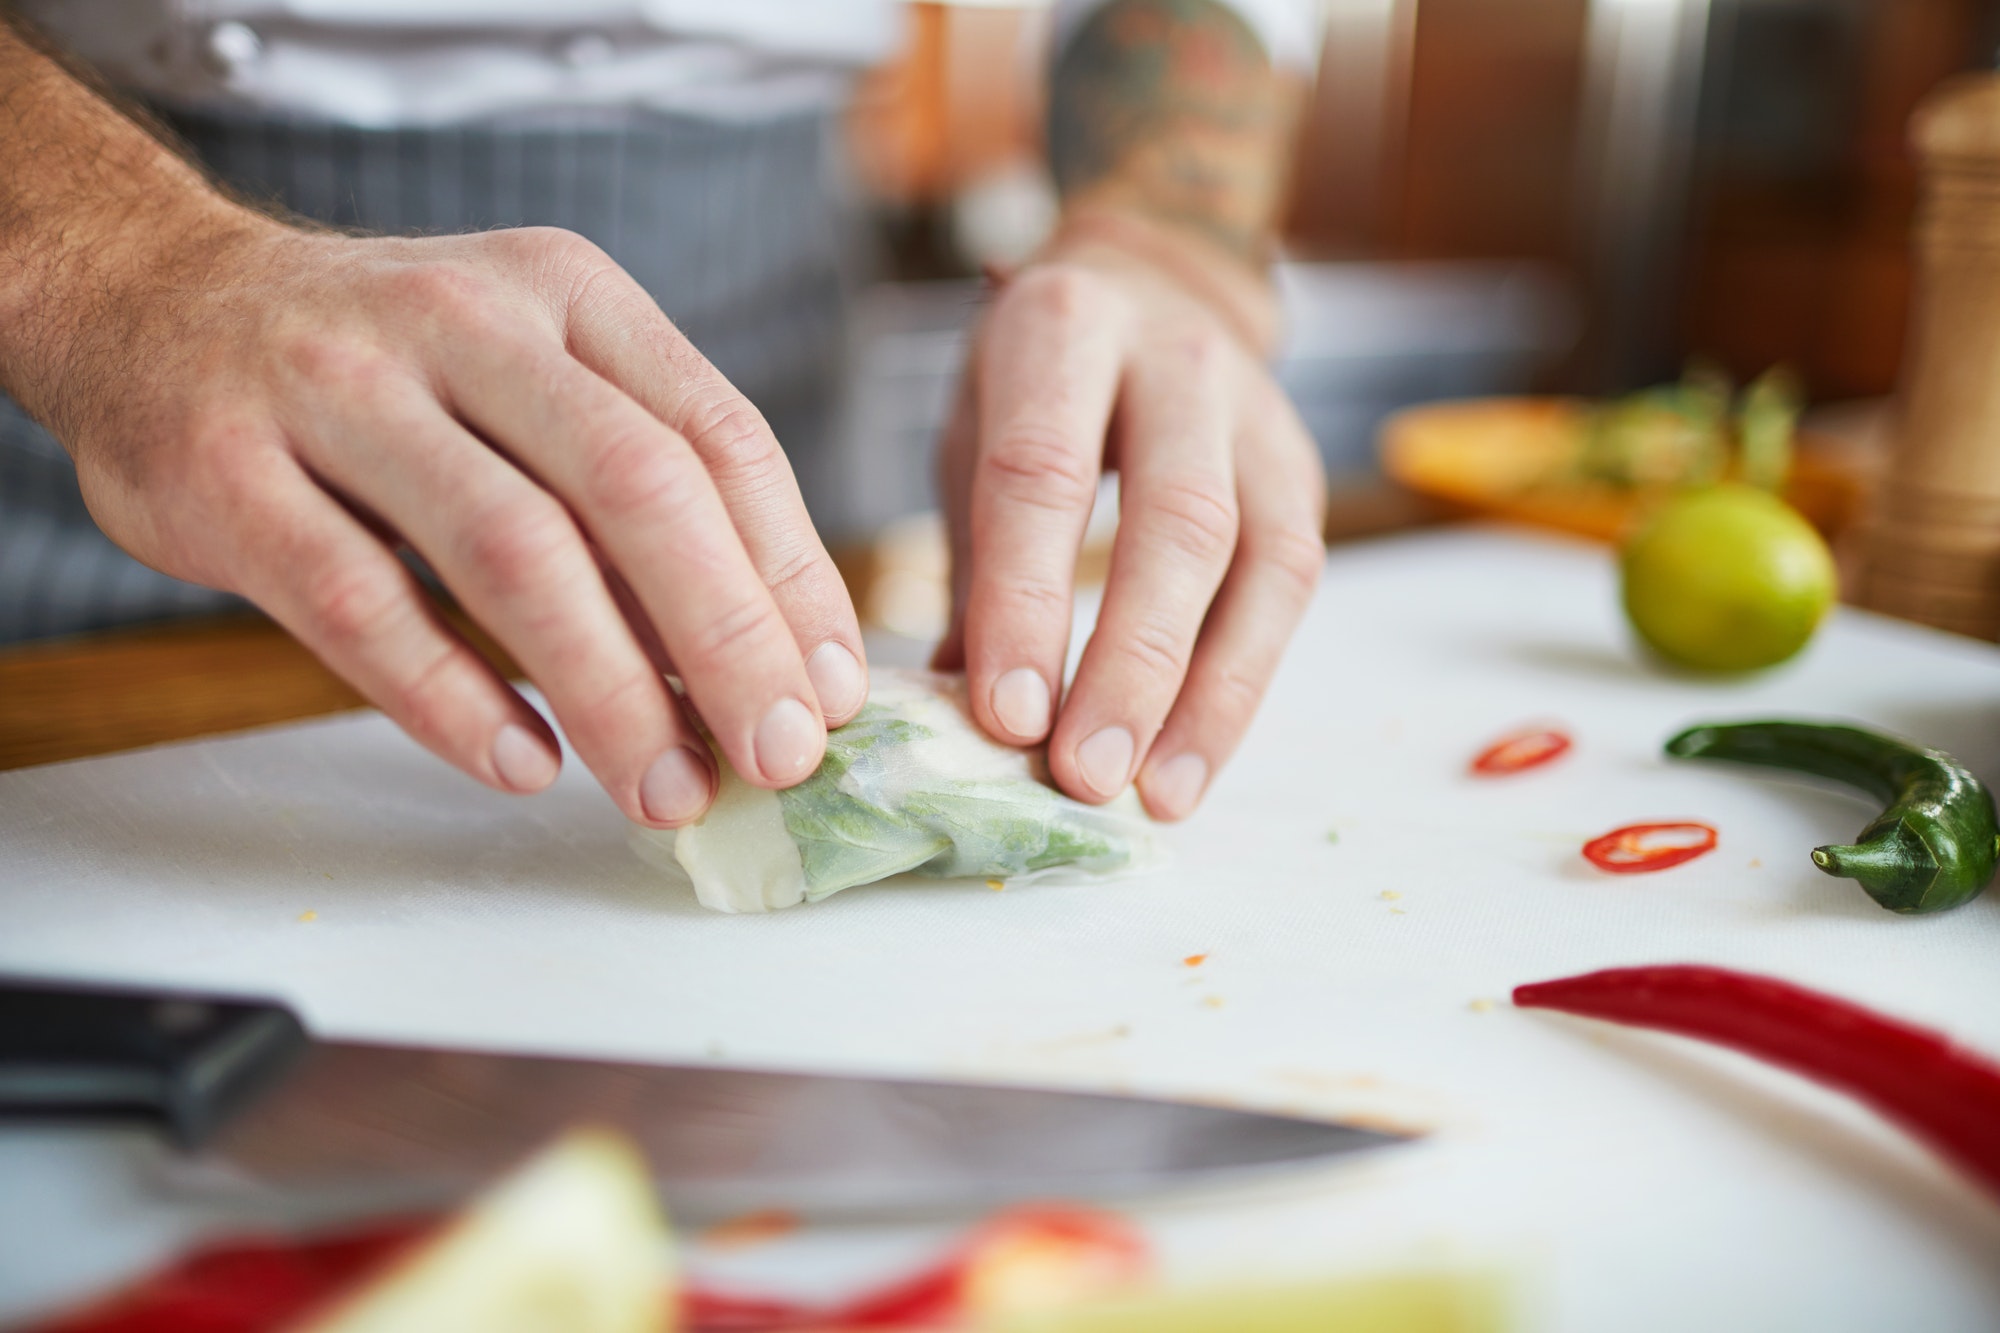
x=523, y=761
x=788, y=741
x=837, y=679
x=1174, y=788
x=1105, y=760
x=676, y=788
x=1021, y=703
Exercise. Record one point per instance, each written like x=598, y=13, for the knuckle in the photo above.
x=1153, y=648
x=1233, y=693
x=335, y=362
x=794, y=566
x=442, y=288
x=519, y=544
x=1035, y=463
x=1025, y=603
x=625, y=695
x=554, y=246
x=560, y=261
x=735, y=633
x=424, y=702
x=355, y=607
x=1196, y=513
x=1028, y=601
x=1297, y=554
x=216, y=455
x=733, y=439
x=1061, y=295
x=1201, y=352
x=632, y=474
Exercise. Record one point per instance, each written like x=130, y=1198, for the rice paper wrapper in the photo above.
x=910, y=786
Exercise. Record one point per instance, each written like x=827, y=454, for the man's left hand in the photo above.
x=1095, y=359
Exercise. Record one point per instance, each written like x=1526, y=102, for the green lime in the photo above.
x=1727, y=578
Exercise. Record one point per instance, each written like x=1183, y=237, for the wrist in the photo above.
x=98, y=220
x=106, y=281
x=1239, y=292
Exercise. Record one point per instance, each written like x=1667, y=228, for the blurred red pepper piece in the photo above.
x=1520, y=751
x=1938, y=1091
x=1638, y=848
x=1022, y=1258
x=247, y=1286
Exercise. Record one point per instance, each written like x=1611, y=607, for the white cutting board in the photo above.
x=1630, y=1181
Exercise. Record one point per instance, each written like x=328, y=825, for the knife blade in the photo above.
x=257, y=1104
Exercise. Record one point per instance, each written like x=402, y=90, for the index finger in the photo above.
x=647, y=501
x=619, y=332
x=1047, y=369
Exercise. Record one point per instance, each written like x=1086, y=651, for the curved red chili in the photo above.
x=1940, y=1092
x=1638, y=848
x=1521, y=751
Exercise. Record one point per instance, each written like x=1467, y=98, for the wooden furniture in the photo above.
x=1933, y=548
x=117, y=690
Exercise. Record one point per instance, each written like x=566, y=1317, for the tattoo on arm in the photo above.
x=1171, y=108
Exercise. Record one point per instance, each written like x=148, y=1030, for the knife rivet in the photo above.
x=178, y=1018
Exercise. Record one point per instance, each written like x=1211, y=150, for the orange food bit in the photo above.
x=766, y=1224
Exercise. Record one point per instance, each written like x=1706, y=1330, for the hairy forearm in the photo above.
x=1170, y=110
x=91, y=206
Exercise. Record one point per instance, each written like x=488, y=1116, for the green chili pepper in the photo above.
x=1936, y=843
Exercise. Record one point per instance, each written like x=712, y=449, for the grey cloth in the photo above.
x=738, y=230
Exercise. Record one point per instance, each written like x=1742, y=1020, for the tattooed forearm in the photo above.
x=1171, y=108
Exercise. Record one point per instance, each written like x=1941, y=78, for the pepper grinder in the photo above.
x=1931, y=547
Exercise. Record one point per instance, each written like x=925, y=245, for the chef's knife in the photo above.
x=255, y=1101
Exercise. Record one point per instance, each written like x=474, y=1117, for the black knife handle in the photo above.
x=184, y=1060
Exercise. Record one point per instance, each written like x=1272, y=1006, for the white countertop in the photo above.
x=1630, y=1181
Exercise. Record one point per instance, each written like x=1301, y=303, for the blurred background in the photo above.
x=1488, y=197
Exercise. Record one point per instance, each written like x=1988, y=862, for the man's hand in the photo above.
x=275, y=412
x=1135, y=342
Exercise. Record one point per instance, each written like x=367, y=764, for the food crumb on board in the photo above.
x=1397, y=911
x=767, y=1224
x=1333, y=836
x=1756, y=861
x=1482, y=1005
x=1390, y=895
x=1195, y=959
x=1076, y=1040
x=1212, y=1001
x=308, y=915
x=997, y=885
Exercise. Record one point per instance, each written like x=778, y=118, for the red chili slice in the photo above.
x=1521, y=751
x=1639, y=848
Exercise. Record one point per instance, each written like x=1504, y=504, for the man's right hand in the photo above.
x=277, y=412
x=517, y=410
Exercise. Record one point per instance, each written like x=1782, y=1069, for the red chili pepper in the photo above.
x=1940, y=1092
x=1638, y=848
x=1521, y=751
